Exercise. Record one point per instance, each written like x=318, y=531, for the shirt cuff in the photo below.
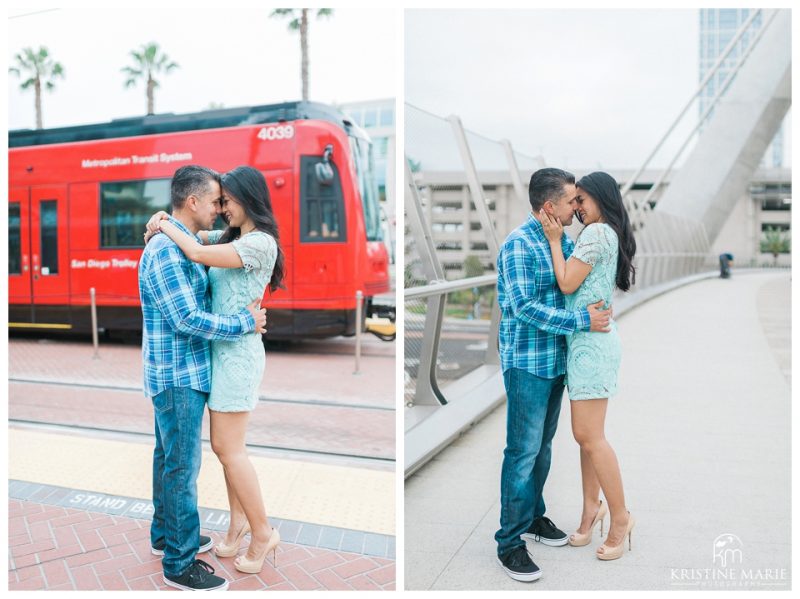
x=247, y=320
x=583, y=322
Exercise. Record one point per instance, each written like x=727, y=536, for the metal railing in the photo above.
x=451, y=358
x=438, y=315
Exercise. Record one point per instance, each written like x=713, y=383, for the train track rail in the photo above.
x=262, y=398
x=124, y=435
x=337, y=432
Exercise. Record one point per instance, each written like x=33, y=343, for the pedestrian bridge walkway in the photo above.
x=702, y=430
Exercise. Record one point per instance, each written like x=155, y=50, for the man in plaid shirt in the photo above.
x=177, y=375
x=533, y=356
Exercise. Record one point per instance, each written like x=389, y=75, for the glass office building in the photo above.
x=377, y=118
x=718, y=26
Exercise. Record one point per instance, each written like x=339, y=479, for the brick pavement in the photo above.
x=54, y=548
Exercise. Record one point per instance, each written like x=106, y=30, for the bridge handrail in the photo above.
x=445, y=287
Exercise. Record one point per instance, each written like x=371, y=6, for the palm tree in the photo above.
x=42, y=70
x=149, y=61
x=775, y=242
x=414, y=165
x=299, y=22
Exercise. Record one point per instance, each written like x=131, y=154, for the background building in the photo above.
x=718, y=26
x=457, y=232
x=377, y=118
x=766, y=206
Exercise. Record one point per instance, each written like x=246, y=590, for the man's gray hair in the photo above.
x=547, y=184
x=190, y=180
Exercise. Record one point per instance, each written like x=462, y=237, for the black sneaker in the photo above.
x=519, y=565
x=544, y=531
x=197, y=577
x=205, y=544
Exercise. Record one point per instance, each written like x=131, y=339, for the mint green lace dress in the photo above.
x=238, y=366
x=593, y=358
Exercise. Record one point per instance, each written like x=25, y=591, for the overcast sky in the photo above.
x=583, y=88
x=234, y=56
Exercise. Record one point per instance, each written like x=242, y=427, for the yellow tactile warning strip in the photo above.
x=340, y=496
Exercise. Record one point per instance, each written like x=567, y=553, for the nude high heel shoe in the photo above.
x=577, y=539
x=609, y=552
x=223, y=550
x=254, y=566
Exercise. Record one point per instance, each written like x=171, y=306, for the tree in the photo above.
x=149, y=61
x=473, y=267
x=42, y=71
x=299, y=22
x=775, y=242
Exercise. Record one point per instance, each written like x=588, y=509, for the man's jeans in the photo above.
x=534, y=405
x=176, y=464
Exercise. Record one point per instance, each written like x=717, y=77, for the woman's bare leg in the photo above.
x=591, y=493
x=228, y=442
x=588, y=427
x=238, y=517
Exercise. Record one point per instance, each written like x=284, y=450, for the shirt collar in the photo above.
x=535, y=225
x=182, y=227
x=538, y=230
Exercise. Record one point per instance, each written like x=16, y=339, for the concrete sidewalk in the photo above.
x=702, y=430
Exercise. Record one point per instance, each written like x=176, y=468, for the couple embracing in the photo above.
x=201, y=344
x=557, y=330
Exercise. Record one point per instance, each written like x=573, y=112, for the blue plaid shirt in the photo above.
x=534, y=321
x=177, y=322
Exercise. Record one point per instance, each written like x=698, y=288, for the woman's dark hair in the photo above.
x=603, y=188
x=248, y=186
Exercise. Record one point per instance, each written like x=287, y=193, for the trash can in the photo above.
x=725, y=265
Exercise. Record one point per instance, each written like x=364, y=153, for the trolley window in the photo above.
x=365, y=170
x=321, y=205
x=125, y=208
x=49, y=227
x=14, y=243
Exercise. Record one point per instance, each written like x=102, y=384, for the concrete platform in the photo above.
x=323, y=494
x=702, y=430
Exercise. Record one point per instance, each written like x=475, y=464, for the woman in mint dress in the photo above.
x=602, y=260
x=243, y=260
